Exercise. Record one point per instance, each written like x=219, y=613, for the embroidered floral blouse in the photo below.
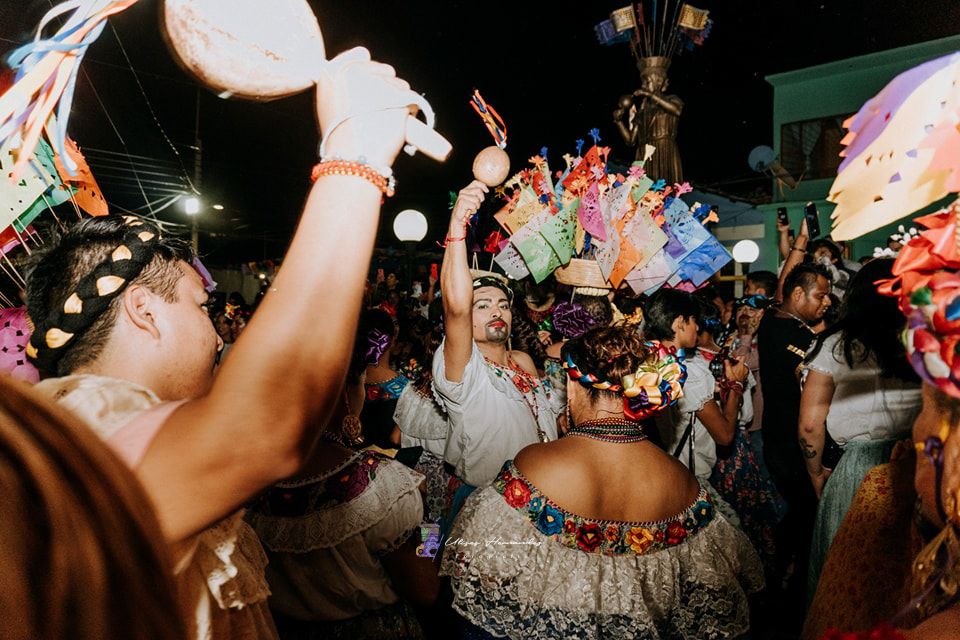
x=599, y=536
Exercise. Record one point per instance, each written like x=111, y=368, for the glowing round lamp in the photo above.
x=191, y=205
x=746, y=251
x=410, y=226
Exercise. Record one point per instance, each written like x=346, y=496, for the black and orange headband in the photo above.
x=92, y=295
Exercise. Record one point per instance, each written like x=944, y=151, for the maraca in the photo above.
x=492, y=165
x=264, y=50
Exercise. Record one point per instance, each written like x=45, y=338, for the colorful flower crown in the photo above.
x=926, y=282
x=655, y=385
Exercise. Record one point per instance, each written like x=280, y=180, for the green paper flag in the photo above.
x=559, y=231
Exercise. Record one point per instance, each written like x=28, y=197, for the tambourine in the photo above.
x=263, y=50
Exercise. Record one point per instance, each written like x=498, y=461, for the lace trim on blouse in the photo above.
x=599, y=536
x=324, y=510
x=419, y=416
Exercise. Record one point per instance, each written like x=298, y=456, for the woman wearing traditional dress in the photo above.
x=737, y=476
x=693, y=428
x=601, y=534
x=859, y=388
x=867, y=576
x=383, y=384
x=342, y=536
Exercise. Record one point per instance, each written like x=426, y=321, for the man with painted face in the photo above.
x=495, y=402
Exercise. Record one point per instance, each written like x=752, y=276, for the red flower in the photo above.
x=517, y=493
x=589, y=536
x=658, y=535
x=569, y=526
x=675, y=532
x=521, y=383
x=612, y=534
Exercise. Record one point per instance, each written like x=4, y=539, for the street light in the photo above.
x=410, y=227
x=746, y=251
x=191, y=205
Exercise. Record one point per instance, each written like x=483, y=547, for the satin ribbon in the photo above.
x=377, y=343
x=572, y=320
x=491, y=119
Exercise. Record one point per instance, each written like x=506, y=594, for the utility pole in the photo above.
x=197, y=177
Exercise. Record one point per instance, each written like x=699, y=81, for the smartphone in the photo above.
x=813, y=220
x=782, y=217
x=433, y=271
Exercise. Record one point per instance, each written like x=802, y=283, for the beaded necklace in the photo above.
x=615, y=430
x=525, y=384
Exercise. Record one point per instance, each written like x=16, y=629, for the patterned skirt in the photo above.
x=739, y=481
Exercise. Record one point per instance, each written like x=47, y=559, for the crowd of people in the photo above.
x=474, y=457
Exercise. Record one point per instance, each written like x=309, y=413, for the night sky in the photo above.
x=538, y=64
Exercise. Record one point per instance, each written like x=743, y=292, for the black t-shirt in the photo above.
x=782, y=344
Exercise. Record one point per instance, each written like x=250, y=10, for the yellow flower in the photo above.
x=639, y=539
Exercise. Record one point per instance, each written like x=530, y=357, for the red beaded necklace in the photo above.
x=526, y=384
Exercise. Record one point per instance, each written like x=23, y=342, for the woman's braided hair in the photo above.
x=617, y=360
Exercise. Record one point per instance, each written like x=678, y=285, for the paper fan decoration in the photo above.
x=14, y=335
x=902, y=150
x=593, y=228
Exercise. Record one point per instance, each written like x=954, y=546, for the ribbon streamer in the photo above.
x=491, y=119
x=46, y=77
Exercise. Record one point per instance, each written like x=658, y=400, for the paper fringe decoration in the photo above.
x=632, y=228
x=46, y=77
x=902, y=150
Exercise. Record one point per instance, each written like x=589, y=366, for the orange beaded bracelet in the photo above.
x=386, y=184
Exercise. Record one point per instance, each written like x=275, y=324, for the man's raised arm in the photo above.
x=273, y=394
x=456, y=285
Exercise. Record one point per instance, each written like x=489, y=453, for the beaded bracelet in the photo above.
x=386, y=183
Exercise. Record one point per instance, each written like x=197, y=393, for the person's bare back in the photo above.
x=635, y=482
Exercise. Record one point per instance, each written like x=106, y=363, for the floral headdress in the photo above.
x=927, y=283
x=655, y=385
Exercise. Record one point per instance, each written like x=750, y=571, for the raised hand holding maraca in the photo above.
x=492, y=164
x=266, y=50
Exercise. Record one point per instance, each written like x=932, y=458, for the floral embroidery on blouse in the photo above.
x=387, y=390
x=525, y=383
x=324, y=491
x=599, y=536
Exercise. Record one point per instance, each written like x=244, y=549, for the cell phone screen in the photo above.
x=433, y=271
x=782, y=215
x=813, y=220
